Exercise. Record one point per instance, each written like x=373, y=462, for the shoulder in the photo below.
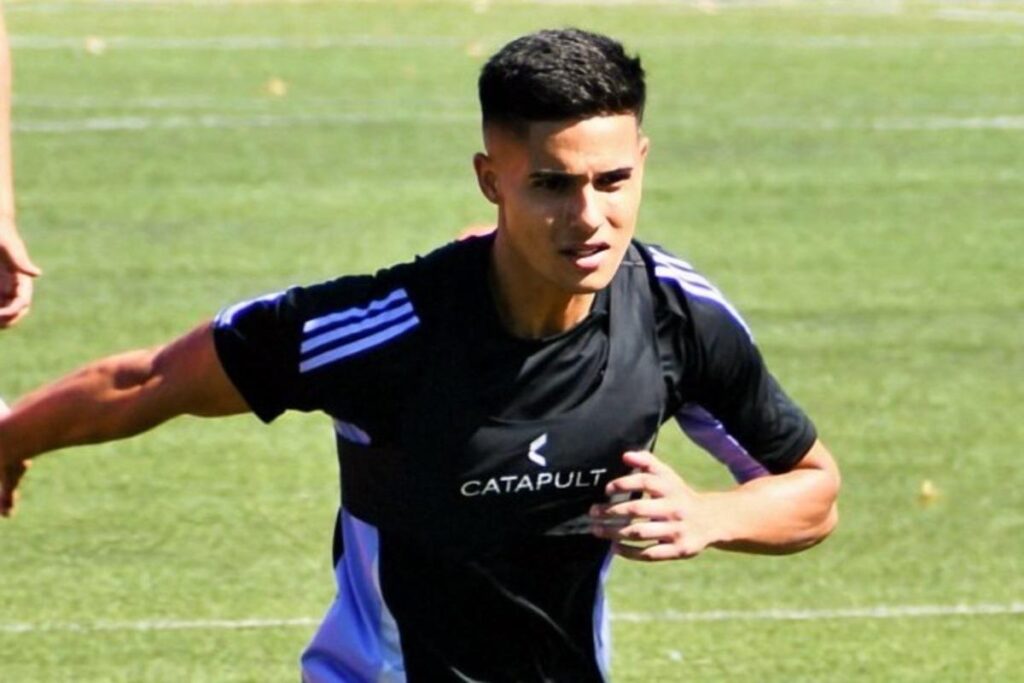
x=684, y=296
x=320, y=346
x=315, y=306
x=397, y=302
x=349, y=317
x=447, y=270
x=403, y=288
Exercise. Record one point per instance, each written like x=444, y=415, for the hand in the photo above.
x=10, y=475
x=671, y=521
x=16, y=273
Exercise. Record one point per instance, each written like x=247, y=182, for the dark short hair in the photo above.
x=560, y=75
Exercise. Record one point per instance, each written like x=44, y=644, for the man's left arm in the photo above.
x=667, y=519
x=713, y=366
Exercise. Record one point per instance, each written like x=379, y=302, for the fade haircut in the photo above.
x=560, y=75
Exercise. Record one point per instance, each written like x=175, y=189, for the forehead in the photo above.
x=587, y=145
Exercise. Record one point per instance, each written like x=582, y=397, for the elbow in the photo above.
x=829, y=524
x=811, y=535
x=828, y=520
x=821, y=525
x=828, y=488
x=132, y=370
x=831, y=520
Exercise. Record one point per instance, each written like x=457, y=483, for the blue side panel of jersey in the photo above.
x=358, y=640
x=602, y=629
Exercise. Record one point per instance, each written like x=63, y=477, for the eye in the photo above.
x=609, y=182
x=555, y=184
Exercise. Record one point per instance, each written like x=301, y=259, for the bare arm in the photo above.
x=115, y=398
x=16, y=269
x=776, y=514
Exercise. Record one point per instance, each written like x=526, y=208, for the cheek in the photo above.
x=617, y=210
x=623, y=208
x=535, y=211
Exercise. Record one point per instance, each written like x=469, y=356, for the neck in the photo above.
x=530, y=308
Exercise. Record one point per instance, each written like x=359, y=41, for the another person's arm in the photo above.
x=16, y=268
x=115, y=398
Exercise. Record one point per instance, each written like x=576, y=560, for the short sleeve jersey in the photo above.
x=469, y=458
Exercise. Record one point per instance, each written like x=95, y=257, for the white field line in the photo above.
x=362, y=41
x=158, y=625
x=669, y=616
x=876, y=612
x=480, y=5
x=952, y=123
x=994, y=16
x=140, y=123
x=866, y=7
x=901, y=123
x=703, y=5
x=218, y=104
x=37, y=6
x=105, y=124
x=710, y=6
x=231, y=43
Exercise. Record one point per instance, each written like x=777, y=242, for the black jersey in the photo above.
x=469, y=457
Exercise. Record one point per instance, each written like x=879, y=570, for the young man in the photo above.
x=495, y=402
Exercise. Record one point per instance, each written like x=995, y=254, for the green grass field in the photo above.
x=850, y=174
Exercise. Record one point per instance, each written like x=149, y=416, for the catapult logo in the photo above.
x=534, y=453
x=534, y=482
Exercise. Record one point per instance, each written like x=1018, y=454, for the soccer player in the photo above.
x=496, y=402
x=16, y=268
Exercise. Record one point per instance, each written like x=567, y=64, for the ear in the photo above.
x=486, y=177
x=645, y=146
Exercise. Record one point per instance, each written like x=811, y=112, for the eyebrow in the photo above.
x=624, y=171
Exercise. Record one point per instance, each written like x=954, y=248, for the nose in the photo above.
x=587, y=209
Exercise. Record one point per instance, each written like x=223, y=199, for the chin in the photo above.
x=593, y=283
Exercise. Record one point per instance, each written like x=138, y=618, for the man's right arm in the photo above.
x=115, y=398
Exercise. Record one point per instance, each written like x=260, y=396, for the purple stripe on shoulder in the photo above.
x=707, y=432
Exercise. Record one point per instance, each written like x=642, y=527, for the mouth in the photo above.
x=585, y=256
